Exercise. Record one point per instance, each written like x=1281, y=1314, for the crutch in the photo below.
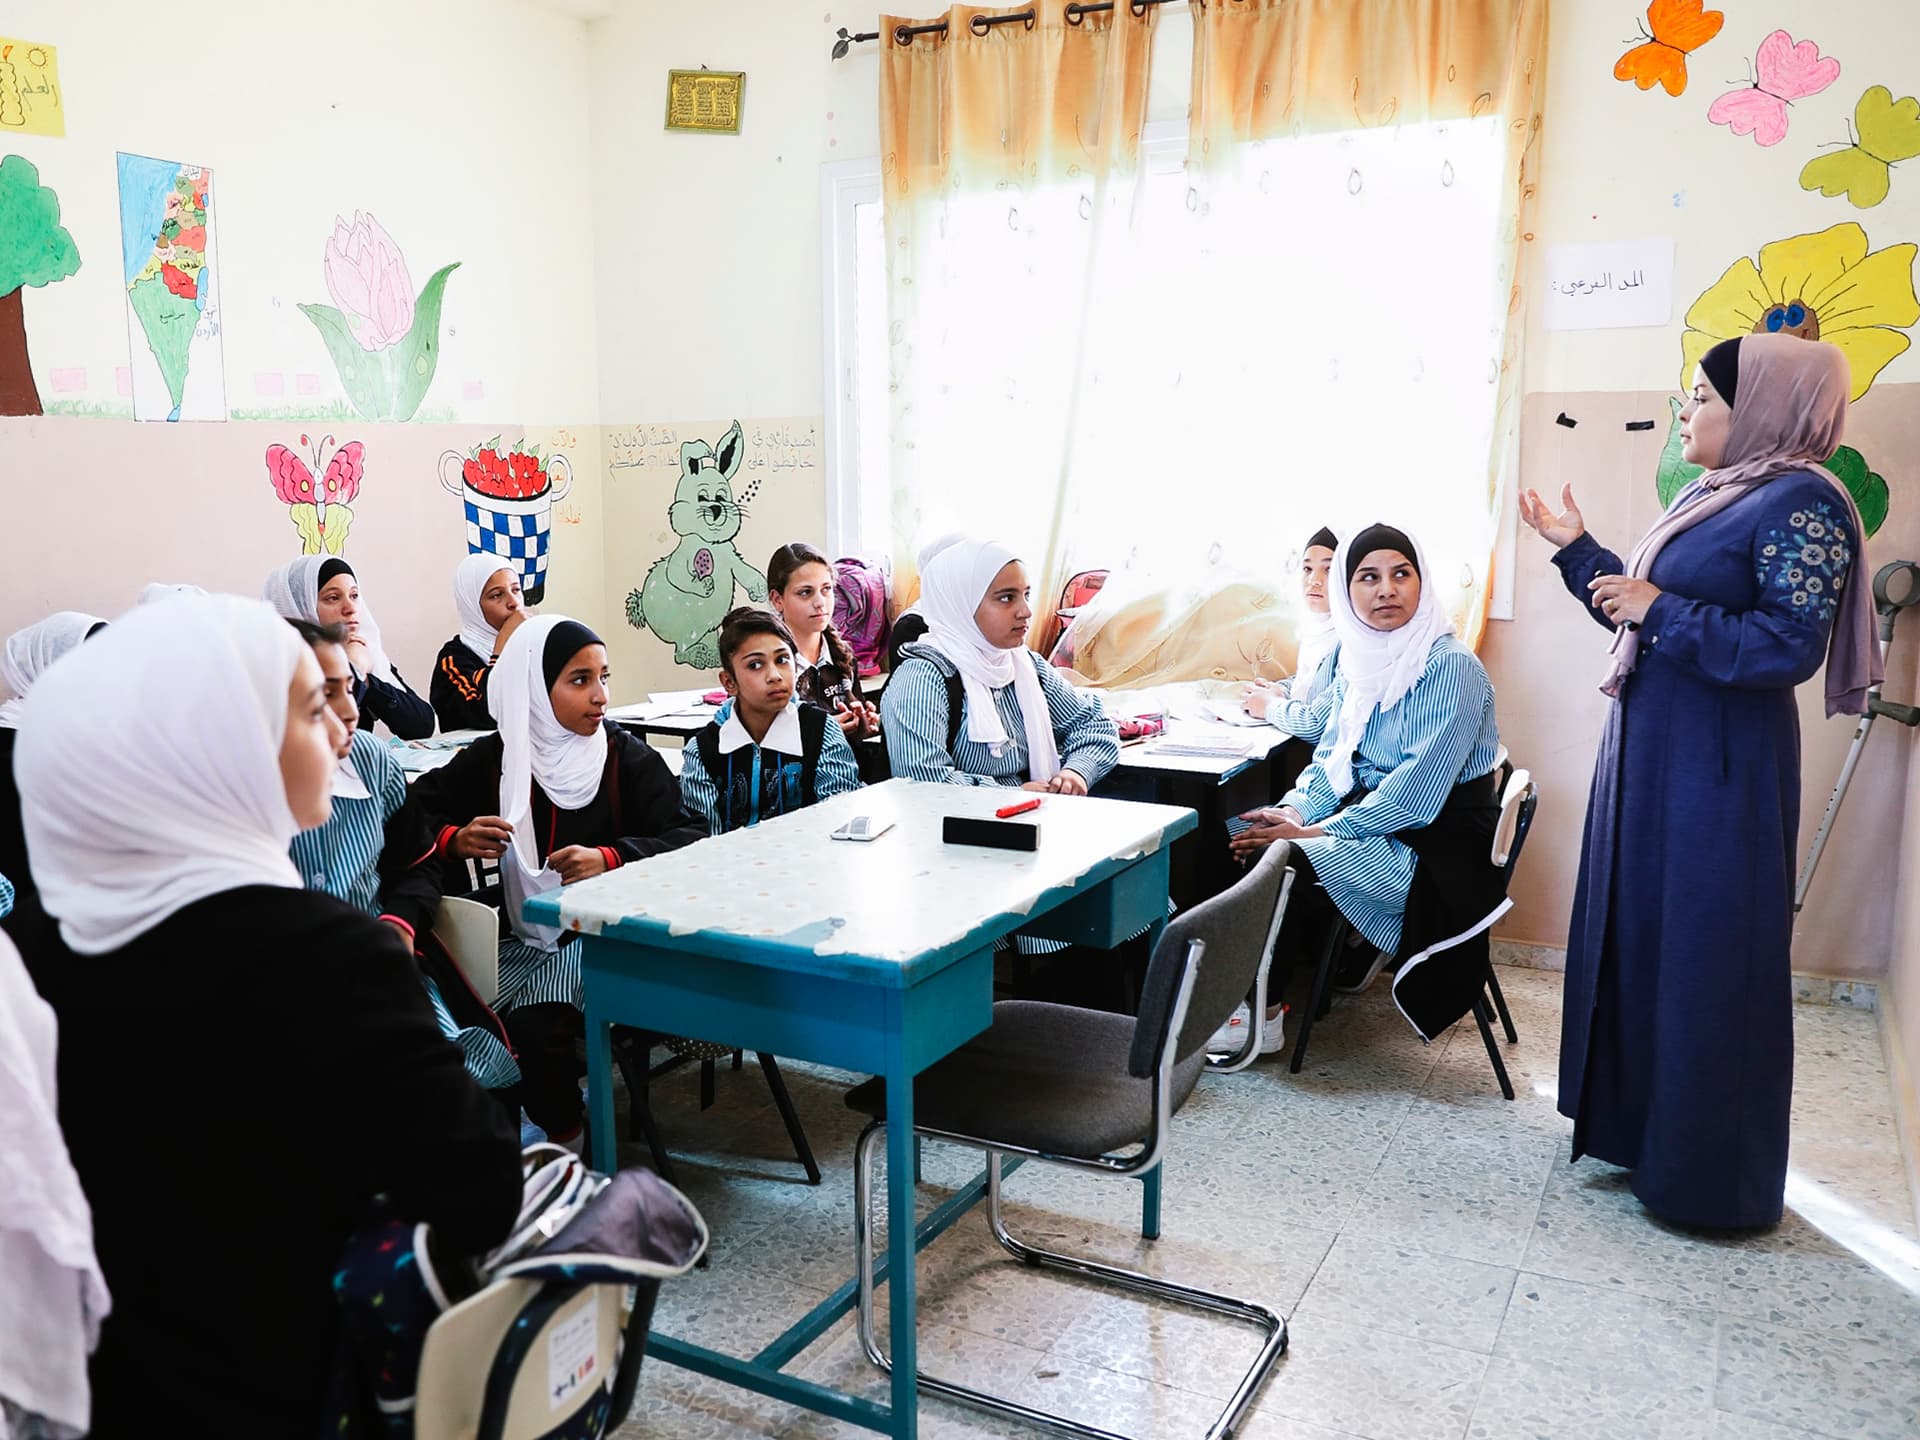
x=1895, y=587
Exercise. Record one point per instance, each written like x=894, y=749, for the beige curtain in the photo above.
x=1270, y=70
x=1006, y=150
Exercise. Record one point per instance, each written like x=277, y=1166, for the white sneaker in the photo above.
x=1273, y=1032
x=1228, y=1039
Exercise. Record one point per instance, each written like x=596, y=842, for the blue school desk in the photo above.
x=876, y=957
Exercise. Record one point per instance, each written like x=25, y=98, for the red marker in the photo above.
x=1007, y=812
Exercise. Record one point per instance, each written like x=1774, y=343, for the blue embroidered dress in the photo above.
x=1676, y=1051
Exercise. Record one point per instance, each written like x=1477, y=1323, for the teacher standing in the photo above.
x=1676, y=1049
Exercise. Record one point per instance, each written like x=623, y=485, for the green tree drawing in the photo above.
x=35, y=249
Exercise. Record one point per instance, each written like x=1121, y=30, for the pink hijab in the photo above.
x=1789, y=412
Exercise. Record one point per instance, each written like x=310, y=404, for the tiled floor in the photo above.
x=1448, y=1274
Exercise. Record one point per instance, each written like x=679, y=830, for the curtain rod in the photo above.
x=1075, y=13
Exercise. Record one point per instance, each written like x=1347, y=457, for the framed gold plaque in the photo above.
x=706, y=101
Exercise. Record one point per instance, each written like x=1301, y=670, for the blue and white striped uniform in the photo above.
x=1305, y=719
x=342, y=858
x=1409, y=759
x=6, y=897
x=834, y=773
x=913, y=713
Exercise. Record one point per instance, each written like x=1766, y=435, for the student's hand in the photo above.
x=1254, y=698
x=1266, y=826
x=512, y=623
x=359, y=656
x=1622, y=599
x=1067, y=782
x=578, y=862
x=1043, y=787
x=1559, y=530
x=485, y=837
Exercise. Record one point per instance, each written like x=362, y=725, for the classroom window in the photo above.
x=1314, y=337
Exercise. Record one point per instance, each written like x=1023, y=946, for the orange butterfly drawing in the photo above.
x=1679, y=27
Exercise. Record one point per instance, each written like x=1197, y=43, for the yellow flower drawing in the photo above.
x=1821, y=287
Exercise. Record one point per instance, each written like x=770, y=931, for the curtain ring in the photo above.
x=1138, y=9
x=1033, y=13
x=979, y=25
x=1075, y=15
x=901, y=35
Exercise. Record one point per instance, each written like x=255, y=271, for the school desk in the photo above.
x=874, y=957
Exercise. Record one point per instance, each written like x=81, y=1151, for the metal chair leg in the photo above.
x=795, y=1131
x=706, y=1084
x=1485, y=1022
x=1272, y=1348
x=1500, y=1004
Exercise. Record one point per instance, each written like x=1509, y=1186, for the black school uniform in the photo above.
x=459, y=688
x=828, y=687
x=236, y=1085
x=22, y=919
x=402, y=711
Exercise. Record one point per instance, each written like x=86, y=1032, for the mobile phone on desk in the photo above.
x=862, y=828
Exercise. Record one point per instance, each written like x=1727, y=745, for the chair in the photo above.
x=471, y=933
x=1064, y=1086
x=1250, y=1045
x=632, y=1052
x=553, y=1346
x=1518, y=801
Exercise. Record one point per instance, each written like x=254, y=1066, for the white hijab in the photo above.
x=160, y=590
x=29, y=652
x=533, y=744
x=149, y=767
x=52, y=1294
x=952, y=585
x=1379, y=666
x=294, y=590
x=470, y=579
x=1319, y=638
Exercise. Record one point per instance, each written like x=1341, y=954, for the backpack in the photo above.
x=860, y=610
x=957, y=701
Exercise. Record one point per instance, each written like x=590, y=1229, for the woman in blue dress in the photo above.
x=1676, y=1051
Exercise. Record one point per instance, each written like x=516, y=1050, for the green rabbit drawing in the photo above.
x=687, y=593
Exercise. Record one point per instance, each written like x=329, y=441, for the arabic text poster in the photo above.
x=172, y=279
x=30, y=89
x=1605, y=287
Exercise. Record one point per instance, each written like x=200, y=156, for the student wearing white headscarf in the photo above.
x=1395, y=816
x=1290, y=705
x=323, y=590
x=26, y=656
x=163, y=590
x=165, y=768
x=558, y=793
x=486, y=596
x=970, y=704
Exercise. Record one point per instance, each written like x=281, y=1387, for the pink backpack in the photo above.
x=860, y=610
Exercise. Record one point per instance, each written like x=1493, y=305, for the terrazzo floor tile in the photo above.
x=1113, y=1401
x=1370, y=1281
x=1839, y=1386
x=1470, y=1193
x=1591, y=1228
x=1584, y=1330
x=1798, y=1275
x=1728, y=1426
x=1524, y=1400
x=1372, y=1384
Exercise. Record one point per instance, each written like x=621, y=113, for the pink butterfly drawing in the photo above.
x=1783, y=73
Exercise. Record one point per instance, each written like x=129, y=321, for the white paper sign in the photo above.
x=1604, y=287
x=573, y=1353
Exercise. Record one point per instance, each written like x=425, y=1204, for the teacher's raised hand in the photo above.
x=1557, y=530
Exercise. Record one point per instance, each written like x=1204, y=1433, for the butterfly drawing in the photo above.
x=318, y=508
x=1884, y=132
x=1783, y=72
x=1678, y=27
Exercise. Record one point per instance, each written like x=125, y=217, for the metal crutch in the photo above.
x=1896, y=586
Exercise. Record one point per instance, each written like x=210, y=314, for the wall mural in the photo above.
x=507, y=494
x=1828, y=286
x=173, y=304
x=319, y=508
x=688, y=591
x=1672, y=30
x=1782, y=72
x=35, y=249
x=1884, y=131
x=384, y=342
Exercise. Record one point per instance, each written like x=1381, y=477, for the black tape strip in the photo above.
x=1565, y=419
x=1639, y=424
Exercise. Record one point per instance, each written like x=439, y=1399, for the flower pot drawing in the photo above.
x=510, y=517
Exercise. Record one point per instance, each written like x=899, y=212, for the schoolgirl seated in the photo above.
x=1289, y=705
x=24, y=659
x=165, y=769
x=764, y=753
x=377, y=853
x=323, y=590
x=1395, y=816
x=558, y=793
x=800, y=590
x=971, y=705
x=486, y=596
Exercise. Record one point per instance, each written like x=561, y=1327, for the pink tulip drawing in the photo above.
x=367, y=277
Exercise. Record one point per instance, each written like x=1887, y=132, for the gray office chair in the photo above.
x=1071, y=1087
